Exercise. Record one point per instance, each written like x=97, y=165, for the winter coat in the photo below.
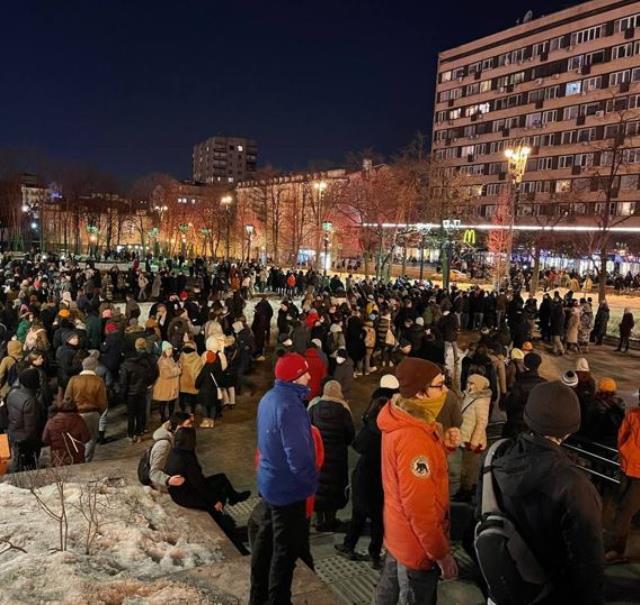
x=25, y=416
x=629, y=444
x=475, y=418
x=366, y=485
x=67, y=364
x=573, y=323
x=558, y=512
x=601, y=321
x=137, y=374
x=516, y=400
x=14, y=355
x=66, y=433
x=300, y=338
x=94, y=331
x=111, y=351
x=343, y=373
x=317, y=371
x=416, y=486
x=557, y=319
x=88, y=392
x=448, y=326
x=626, y=325
x=209, y=379
x=286, y=471
x=160, y=450
x=354, y=339
x=333, y=420
x=190, y=366
x=166, y=387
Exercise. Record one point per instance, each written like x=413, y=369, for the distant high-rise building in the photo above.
x=224, y=160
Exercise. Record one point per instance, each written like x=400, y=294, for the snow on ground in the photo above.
x=130, y=561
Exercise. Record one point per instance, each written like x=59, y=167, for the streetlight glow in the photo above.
x=320, y=186
x=226, y=200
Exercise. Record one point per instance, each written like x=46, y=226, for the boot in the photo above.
x=238, y=497
x=101, y=438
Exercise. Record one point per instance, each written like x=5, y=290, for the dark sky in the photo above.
x=129, y=86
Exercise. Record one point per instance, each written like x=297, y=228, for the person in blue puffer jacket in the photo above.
x=287, y=476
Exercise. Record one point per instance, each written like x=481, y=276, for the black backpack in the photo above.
x=144, y=464
x=509, y=567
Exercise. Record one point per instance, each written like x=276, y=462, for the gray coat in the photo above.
x=163, y=443
x=344, y=375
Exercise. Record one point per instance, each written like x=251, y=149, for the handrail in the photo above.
x=597, y=474
x=590, y=454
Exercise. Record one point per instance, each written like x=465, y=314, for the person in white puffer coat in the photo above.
x=475, y=418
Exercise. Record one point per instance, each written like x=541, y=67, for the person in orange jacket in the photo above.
x=416, y=487
x=629, y=505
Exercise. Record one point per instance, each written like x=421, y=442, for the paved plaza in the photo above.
x=230, y=447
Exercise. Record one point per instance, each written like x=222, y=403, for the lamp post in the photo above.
x=517, y=164
x=327, y=228
x=226, y=201
x=320, y=187
x=160, y=210
x=448, y=229
x=249, y=229
x=423, y=232
x=92, y=230
x=205, y=231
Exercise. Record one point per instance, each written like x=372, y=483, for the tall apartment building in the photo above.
x=224, y=160
x=566, y=84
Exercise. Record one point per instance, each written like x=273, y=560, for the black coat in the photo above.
x=112, y=352
x=354, y=338
x=558, y=512
x=367, y=493
x=25, y=416
x=516, y=400
x=137, y=374
x=210, y=378
x=67, y=366
x=335, y=424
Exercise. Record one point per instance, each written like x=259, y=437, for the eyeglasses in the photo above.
x=440, y=386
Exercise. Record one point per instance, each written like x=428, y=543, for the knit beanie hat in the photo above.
x=570, y=378
x=166, y=346
x=332, y=389
x=141, y=344
x=607, y=385
x=582, y=365
x=90, y=363
x=317, y=342
x=552, y=409
x=290, y=367
x=30, y=378
x=151, y=323
x=527, y=346
x=64, y=313
x=414, y=375
x=532, y=361
x=389, y=381
x=209, y=357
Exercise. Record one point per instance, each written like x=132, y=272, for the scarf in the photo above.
x=424, y=409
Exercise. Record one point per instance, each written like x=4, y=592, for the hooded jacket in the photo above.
x=137, y=374
x=629, y=444
x=14, y=355
x=558, y=512
x=162, y=445
x=416, y=485
x=317, y=370
x=88, y=392
x=190, y=364
x=66, y=433
x=286, y=472
x=475, y=417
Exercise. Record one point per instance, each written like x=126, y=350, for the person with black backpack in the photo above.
x=151, y=467
x=539, y=538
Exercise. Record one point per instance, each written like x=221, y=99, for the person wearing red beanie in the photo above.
x=287, y=476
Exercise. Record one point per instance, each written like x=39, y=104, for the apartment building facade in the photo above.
x=224, y=160
x=567, y=85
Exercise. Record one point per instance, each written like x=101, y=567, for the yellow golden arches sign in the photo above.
x=469, y=237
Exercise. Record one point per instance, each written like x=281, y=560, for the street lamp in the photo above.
x=327, y=228
x=183, y=228
x=249, y=229
x=226, y=201
x=423, y=231
x=517, y=164
x=320, y=187
x=449, y=227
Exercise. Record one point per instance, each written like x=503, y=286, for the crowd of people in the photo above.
x=75, y=346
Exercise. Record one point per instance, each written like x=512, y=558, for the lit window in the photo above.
x=445, y=76
x=573, y=88
x=563, y=186
x=240, y=148
x=230, y=179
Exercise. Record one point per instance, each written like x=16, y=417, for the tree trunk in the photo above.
x=404, y=259
x=602, y=281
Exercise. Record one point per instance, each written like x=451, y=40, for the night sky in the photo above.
x=130, y=86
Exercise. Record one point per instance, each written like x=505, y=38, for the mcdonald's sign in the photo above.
x=469, y=237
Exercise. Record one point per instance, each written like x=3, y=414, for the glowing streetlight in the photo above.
x=250, y=230
x=226, y=201
x=517, y=157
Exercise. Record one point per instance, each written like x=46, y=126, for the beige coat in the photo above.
x=475, y=418
x=166, y=387
x=190, y=365
x=14, y=352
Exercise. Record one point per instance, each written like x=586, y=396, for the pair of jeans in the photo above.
x=188, y=400
x=281, y=538
x=356, y=529
x=166, y=409
x=91, y=419
x=136, y=414
x=400, y=585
